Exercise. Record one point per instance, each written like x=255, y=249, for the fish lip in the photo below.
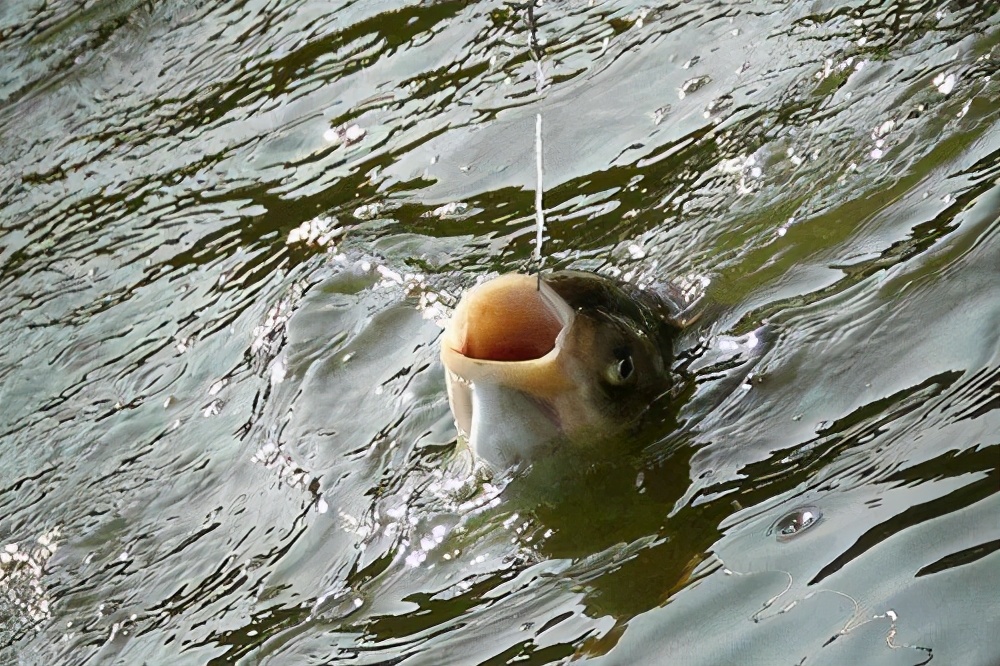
x=545, y=407
x=538, y=377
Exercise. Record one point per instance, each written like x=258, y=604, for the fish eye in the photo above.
x=625, y=367
x=622, y=369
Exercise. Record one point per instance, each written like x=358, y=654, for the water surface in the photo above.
x=230, y=232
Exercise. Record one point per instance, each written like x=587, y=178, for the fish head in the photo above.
x=558, y=363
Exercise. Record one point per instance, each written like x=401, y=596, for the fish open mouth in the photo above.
x=508, y=333
x=509, y=330
x=509, y=319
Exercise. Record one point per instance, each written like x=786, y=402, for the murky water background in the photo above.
x=229, y=231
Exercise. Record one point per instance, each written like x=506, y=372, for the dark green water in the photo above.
x=228, y=234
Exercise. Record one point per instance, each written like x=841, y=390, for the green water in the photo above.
x=229, y=233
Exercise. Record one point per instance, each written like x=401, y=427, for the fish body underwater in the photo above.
x=563, y=363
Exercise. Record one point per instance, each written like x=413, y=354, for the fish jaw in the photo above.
x=504, y=367
x=508, y=427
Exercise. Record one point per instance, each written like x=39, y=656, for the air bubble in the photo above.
x=794, y=523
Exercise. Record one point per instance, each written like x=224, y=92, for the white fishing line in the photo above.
x=536, y=53
x=539, y=208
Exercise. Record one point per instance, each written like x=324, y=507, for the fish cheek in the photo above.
x=604, y=401
x=625, y=374
x=583, y=409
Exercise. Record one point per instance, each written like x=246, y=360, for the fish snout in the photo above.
x=501, y=354
x=509, y=331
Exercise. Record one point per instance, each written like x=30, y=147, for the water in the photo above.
x=230, y=231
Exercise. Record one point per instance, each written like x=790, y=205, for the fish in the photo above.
x=561, y=362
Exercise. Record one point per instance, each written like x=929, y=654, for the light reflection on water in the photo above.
x=230, y=232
